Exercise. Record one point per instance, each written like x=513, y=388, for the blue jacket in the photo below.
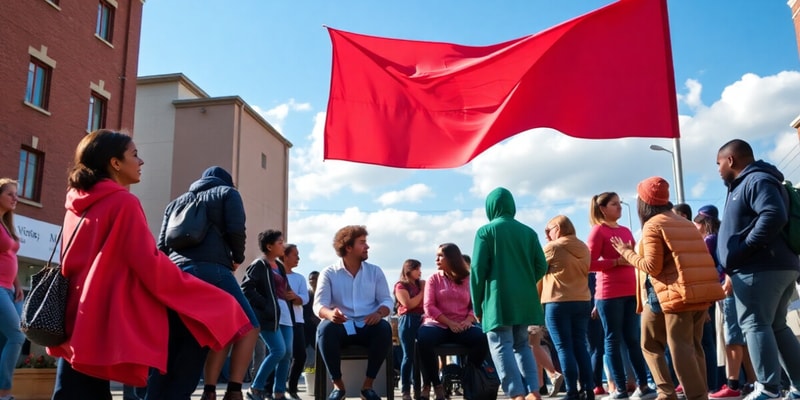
x=225, y=240
x=749, y=238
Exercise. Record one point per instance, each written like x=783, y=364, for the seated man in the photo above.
x=352, y=298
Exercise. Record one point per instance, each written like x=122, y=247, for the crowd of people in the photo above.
x=652, y=317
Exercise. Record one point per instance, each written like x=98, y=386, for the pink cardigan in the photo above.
x=445, y=297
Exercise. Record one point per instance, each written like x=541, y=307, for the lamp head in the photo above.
x=659, y=148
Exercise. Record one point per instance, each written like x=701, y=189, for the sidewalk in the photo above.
x=116, y=390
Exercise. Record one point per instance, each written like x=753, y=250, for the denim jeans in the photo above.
x=73, y=385
x=332, y=337
x=11, y=338
x=279, y=346
x=733, y=332
x=621, y=324
x=761, y=301
x=430, y=336
x=407, y=328
x=568, y=323
x=222, y=277
x=514, y=360
x=596, y=349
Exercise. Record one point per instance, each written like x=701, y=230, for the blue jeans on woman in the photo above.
x=11, y=338
x=622, y=327
x=407, y=328
x=279, y=344
x=568, y=323
x=514, y=360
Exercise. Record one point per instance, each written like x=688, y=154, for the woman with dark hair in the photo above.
x=265, y=286
x=615, y=295
x=11, y=293
x=121, y=285
x=567, y=304
x=449, y=317
x=409, y=291
x=676, y=283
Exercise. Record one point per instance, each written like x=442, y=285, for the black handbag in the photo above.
x=42, y=320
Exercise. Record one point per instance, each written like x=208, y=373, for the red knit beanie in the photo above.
x=654, y=191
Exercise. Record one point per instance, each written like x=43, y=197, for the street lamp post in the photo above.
x=677, y=169
x=630, y=220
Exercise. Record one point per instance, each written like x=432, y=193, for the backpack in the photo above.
x=791, y=231
x=187, y=224
x=480, y=382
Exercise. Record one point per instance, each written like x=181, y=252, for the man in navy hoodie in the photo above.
x=762, y=267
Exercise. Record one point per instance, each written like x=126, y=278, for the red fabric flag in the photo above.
x=411, y=104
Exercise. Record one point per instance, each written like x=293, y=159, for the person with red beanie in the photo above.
x=676, y=282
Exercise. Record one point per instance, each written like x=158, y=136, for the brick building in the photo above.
x=67, y=67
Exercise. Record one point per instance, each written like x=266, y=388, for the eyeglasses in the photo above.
x=550, y=228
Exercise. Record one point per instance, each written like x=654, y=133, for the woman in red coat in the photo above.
x=121, y=285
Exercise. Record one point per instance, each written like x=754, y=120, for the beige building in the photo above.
x=181, y=131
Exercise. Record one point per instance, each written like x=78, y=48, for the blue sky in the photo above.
x=736, y=70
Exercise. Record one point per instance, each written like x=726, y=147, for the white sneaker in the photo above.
x=646, y=394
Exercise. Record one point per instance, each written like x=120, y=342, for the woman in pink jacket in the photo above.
x=121, y=285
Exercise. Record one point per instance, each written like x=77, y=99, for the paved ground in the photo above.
x=117, y=392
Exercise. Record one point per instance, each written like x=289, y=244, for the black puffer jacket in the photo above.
x=225, y=240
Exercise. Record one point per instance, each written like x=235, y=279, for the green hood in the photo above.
x=500, y=203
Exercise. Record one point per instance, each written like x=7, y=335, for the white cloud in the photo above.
x=412, y=194
x=312, y=178
x=277, y=115
x=692, y=98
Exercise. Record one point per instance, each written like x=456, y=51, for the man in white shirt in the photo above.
x=352, y=298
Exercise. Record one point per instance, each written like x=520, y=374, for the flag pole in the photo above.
x=676, y=148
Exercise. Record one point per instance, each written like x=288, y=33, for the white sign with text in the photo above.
x=36, y=238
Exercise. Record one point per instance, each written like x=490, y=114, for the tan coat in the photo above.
x=681, y=270
x=567, y=277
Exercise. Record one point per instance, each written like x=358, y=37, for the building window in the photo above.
x=105, y=20
x=263, y=161
x=37, y=90
x=97, y=113
x=30, y=174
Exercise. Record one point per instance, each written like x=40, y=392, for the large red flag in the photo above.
x=412, y=104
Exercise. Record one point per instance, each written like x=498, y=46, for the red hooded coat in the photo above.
x=121, y=287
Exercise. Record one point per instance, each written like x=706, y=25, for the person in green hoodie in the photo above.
x=507, y=262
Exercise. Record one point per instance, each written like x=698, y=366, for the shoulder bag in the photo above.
x=43, y=313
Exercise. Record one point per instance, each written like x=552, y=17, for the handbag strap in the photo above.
x=58, y=238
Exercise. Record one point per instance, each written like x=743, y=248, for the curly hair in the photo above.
x=347, y=237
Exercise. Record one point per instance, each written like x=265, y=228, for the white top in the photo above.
x=357, y=296
x=298, y=284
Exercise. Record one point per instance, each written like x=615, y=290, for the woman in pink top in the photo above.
x=11, y=292
x=449, y=317
x=616, y=295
